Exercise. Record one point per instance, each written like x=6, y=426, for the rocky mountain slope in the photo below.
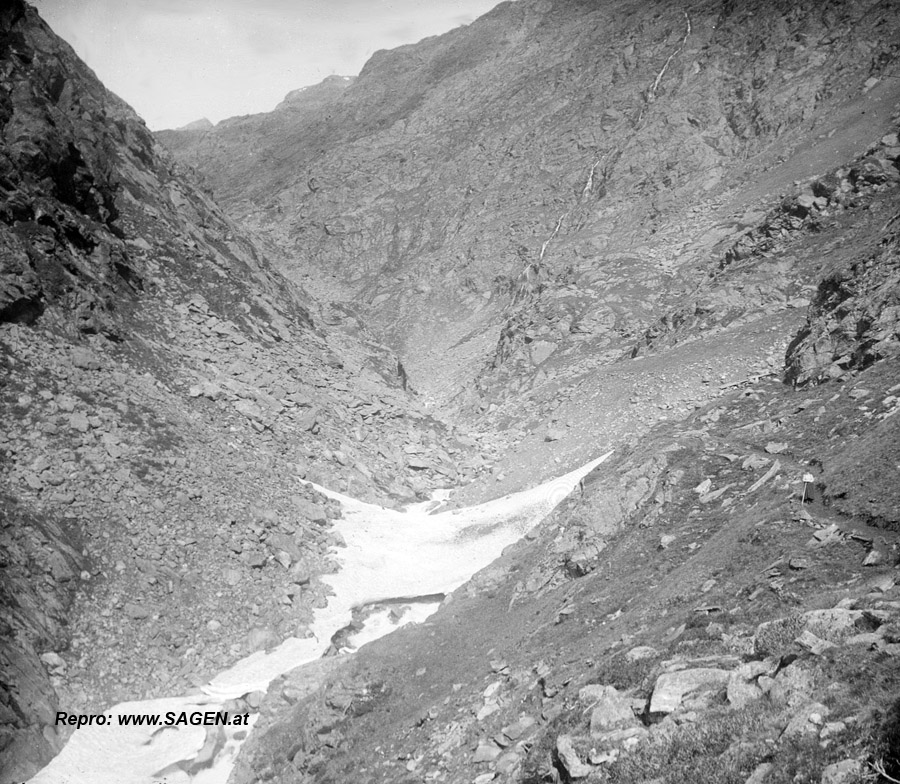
x=247, y=134
x=162, y=390
x=669, y=231
x=718, y=604
x=520, y=200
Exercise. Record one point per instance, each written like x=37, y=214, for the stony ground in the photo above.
x=163, y=392
x=695, y=266
x=719, y=602
x=689, y=617
x=181, y=534
x=734, y=328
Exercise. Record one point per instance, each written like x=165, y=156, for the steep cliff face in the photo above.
x=549, y=179
x=163, y=390
x=854, y=324
x=91, y=206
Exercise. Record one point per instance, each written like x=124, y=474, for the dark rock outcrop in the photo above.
x=43, y=565
x=854, y=319
x=87, y=195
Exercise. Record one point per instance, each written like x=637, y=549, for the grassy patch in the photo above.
x=725, y=746
x=625, y=675
x=722, y=748
x=887, y=740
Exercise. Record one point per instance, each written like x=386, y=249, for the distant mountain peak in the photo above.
x=326, y=89
x=203, y=124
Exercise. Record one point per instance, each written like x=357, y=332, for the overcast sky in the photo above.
x=176, y=61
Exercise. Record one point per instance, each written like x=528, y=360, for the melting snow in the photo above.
x=389, y=554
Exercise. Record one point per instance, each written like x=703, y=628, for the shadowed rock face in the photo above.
x=547, y=179
x=854, y=324
x=854, y=319
x=58, y=187
x=87, y=193
x=42, y=561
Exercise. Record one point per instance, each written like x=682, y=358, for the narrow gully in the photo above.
x=392, y=559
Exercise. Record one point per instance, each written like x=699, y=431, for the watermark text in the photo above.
x=170, y=719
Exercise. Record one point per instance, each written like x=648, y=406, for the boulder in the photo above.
x=815, y=630
x=284, y=543
x=625, y=738
x=843, y=772
x=79, y=422
x=793, y=686
x=760, y=773
x=84, y=359
x=486, y=752
x=742, y=685
x=569, y=759
x=775, y=637
x=672, y=687
x=315, y=513
x=519, y=728
x=641, y=652
x=833, y=625
x=807, y=720
x=250, y=410
x=508, y=763
x=137, y=612
x=810, y=642
x=308, y=420
x=585, y=559
x=611, y=710
x=206, y=389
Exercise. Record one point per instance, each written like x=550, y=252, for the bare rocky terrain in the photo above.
x=566, y=228
x=523, y=199
x=163, y=390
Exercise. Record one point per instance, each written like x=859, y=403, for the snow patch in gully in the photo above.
x=390, y=555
